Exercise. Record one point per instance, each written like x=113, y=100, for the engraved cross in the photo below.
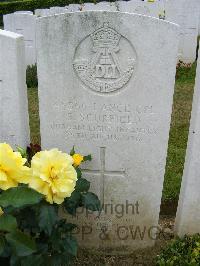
x=102, y=173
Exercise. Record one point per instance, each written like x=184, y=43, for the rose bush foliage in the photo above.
x=34, y=186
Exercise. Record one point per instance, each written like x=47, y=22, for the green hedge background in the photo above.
x=12, y=6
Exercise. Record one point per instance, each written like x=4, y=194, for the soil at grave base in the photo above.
x=140, y=258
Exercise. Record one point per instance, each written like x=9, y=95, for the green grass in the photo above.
x=185, y=79
x=34, y=115
x=178, y=133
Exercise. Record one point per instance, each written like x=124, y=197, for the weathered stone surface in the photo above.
x=182, y=12
x=89, y=7
x=106, y=6
x=24, y=12
x=139, y=7
x=74, y=7
x=57, y=10
x=42, y=12
x=106, y=83
x=14, y=122
x=24, y=24
x=186, y=14
x=188, y=213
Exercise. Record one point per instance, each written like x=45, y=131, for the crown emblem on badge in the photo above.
x=100, y=63
x=105, y=37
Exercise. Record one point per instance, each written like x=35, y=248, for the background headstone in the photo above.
x=42, y=12
x=88, y=7
x=153, y=9
x=182, y=12
x=23, y=24
x=57, y=10
x=74, y=7
x=24, y=12
x=106, y=86
x=14, y=120
x=186, y=14
x=188, y=213
x=106, y=6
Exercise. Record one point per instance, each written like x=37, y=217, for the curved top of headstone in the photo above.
x=113, y=14
x=23, y=12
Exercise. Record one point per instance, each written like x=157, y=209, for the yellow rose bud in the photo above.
x=1, y=211
x=78, y=158
x=12, y=169
x=53, y=175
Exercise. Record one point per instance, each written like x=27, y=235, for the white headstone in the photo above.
x=42, y=12
x=182, y=12
x=23, y=24
x=130, y=6
x=198, y=5
x=89, y=7
x=24, y=12
x=186, y=14
x=74, y=7
x=106, y=6
x=199, y=25
x=108, y=90
x=188, y=213
x=14, y=122
x=141, y=7
x=57, y=10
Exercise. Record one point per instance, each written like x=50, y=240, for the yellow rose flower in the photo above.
x=78, y=158
x=12, y=169
x=1, y=211
x=53, y=175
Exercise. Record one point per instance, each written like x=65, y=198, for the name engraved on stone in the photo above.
x=109, y=122
x=111, y=62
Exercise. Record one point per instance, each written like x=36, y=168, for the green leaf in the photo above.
x=28, y=218
x=91, y=201
x=82, y=185
x=87, y=158
x=79, y=174
x=15, y=260
x=2, y=244
x=72, y=152
x=58, y=260
x=47, y=218
x=69, y=227
x=7, y=252
x=8, y=223
x=20, y=197
x=70, y=245
x=22, y=244
x=72, y=203
x=22, y=152
x=33, y=260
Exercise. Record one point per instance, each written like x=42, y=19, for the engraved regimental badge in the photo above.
x=105, y=60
